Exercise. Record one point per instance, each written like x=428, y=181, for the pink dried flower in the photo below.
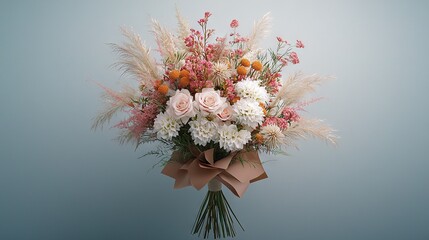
x=290, y=114
x=234, y=23
x=142, y=119
x=273, y=82
x=202, y=21
x=238, y=52
x=299, y=44
x=280, y=39
x=294, y=58
x=220, y=39
x=300, y=106
x=229, y=91
x=280, y=122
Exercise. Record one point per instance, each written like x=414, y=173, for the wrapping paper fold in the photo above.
x=235, y=175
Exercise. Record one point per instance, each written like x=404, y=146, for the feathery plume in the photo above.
x=260, y=30
x=183, y=30
x=114, y=102
x=136, y=59
x=295, y=88
x=165, y=40
x=309, y=128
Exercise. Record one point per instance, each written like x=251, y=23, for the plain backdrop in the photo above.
x=60, y=180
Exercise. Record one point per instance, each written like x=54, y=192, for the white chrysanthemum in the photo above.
x=249, y=88
x=248, y=112
x=272, y=135
x=231, y=139
x=203, y=131
x=166, y=126
x=220, y=73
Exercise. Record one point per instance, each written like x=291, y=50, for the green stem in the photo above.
x=215, y=216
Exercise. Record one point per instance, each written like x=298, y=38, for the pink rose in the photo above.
x=208, y=101
x=225, y=112
x=181, y=106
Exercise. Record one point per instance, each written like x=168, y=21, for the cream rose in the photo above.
x=225, y=112
x=208, y=101
x=180, y=105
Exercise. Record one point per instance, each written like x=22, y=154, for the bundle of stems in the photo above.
x=215, y=215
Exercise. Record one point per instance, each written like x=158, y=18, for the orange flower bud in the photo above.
x=183, y=82
x=245, y=62
x=241, y=70
x=184, y=73
x=157, y=83
x=257, y=65
x=174, y=74
x=163, y=89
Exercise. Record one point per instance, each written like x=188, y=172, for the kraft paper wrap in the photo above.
x=235, y=175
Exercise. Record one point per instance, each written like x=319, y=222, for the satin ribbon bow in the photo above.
x=235, y=175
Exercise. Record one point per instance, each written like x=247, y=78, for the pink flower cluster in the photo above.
x=273, y=84
x=280, y=122
x=199, y=70
x=142, y=117
x=234, y=23
x=204, y=20
x=288, y=56
x=229, y=90
x=290, y=114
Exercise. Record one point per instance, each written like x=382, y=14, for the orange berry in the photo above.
x=245, y=62
x=157, y=83
x=259, y=138
x=184, y=73
x=257, y=65
x=235, y=99
x=163, y=89
x=183, y=82
x=241, y=70
x=174, y=74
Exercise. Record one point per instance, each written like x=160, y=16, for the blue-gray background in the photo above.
x=59, y=180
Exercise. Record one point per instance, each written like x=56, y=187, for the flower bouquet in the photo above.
x=212, y=104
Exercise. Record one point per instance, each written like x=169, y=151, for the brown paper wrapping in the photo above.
x=235, y=175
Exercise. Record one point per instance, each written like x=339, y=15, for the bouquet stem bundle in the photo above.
x=215, y=214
